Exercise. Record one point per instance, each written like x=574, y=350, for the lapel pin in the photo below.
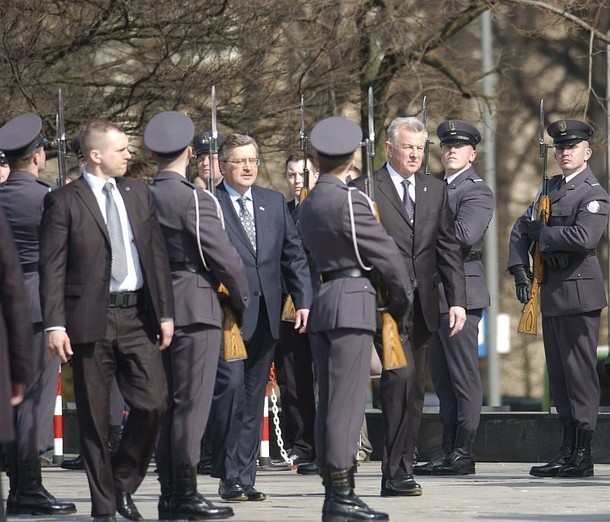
x=127, y=187
x=425, y=189
x=262, y=209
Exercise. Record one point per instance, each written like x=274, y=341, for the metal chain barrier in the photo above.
x=276, y=418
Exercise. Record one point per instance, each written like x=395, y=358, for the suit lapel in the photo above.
x=86, y=194
x=421, y=196
x=261, y=217
x=386, y=186
x=128, y=194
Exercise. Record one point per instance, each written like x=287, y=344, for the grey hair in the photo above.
x=410, y=123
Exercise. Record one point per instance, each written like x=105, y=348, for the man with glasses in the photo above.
x=415, y=210
x=259, y=225
x=21, y=199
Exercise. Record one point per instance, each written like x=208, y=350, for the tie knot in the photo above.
x=108, y=187
x=242, y=203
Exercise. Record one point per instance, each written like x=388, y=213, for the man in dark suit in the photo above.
x=572, y=295
x=346, y=242
x=293, y=358
x=414, y=209
x=108, y=303
x=454, y=361
x=201, y=256
x=21, y=198
x=260, y=227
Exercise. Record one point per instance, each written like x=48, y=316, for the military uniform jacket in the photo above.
x=279, y=254
x=326, y=228
x=579, y=216
x=75, y=258
x=15, y=328
x=429, y=248
x=472, y=203
x=187, y=214
x=21, y=197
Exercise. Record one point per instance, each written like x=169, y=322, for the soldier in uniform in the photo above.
x=201, y=255
x=453, y=361
x=206, y=162
x=4, y=168
x=21, y=199
x=572, y=295
x=345, y=241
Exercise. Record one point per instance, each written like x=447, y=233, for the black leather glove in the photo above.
x=523, y=282
x=399, y=312
x=535, y=229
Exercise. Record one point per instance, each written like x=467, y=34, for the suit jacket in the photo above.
x=15, y=328
x=579, y=216
x=75, y=258
x=429, y=246
x=279, y=254
x=472, y=203
x=21, y=197
x=326, y=227
x=185, y=218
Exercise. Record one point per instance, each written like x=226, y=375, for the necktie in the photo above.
x=113, y=222
x=407, y=201
x=247, y=221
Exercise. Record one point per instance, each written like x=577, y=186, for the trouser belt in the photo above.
x=475, y=255
x=186, y=266
x=123, y=299
x=343, y=273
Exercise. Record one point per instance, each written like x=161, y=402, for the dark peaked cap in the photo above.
x=169, y=133
x=458, y=131
x=201, y=142
x=568, y=132
x=21, y=135
x=336, y=136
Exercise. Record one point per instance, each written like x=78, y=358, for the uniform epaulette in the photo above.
x=187, y=183
x=44, y=183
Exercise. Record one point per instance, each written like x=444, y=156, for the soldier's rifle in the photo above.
x=289, y=312
x=233, y=347
x=392, y=353
x=426, y=163
x=529, y=316
x=61, y=141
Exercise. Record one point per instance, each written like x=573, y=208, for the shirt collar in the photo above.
x=236, y=195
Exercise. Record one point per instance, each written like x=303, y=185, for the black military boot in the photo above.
x=186, y=503
x=460, y=461
x=563, y=457
x=340, y=503
x=449, y=433
x=580, y=464
x=165, y=481
x=31, y=498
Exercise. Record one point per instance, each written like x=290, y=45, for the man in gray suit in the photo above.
x=201, y=256
x=572, y=294
x=108, y=303
x=262, y=231
x=415, y=210
x=346, y=242
x=21, y=198
x=454, y=362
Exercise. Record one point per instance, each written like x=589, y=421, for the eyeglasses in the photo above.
x=242, y=161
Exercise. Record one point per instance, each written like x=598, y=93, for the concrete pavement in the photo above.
x=498, y=492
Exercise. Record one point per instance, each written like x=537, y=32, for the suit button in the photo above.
x=256, y=293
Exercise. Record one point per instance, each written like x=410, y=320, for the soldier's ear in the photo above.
x=588, y=153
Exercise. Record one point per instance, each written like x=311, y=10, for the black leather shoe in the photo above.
x=426, y=469
x=73, y=464
x=231, y=491
x=401, y=487
x=309, y=468
x=253, y=494
x=105, y=518
x=204, y=468
x=126, y=507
